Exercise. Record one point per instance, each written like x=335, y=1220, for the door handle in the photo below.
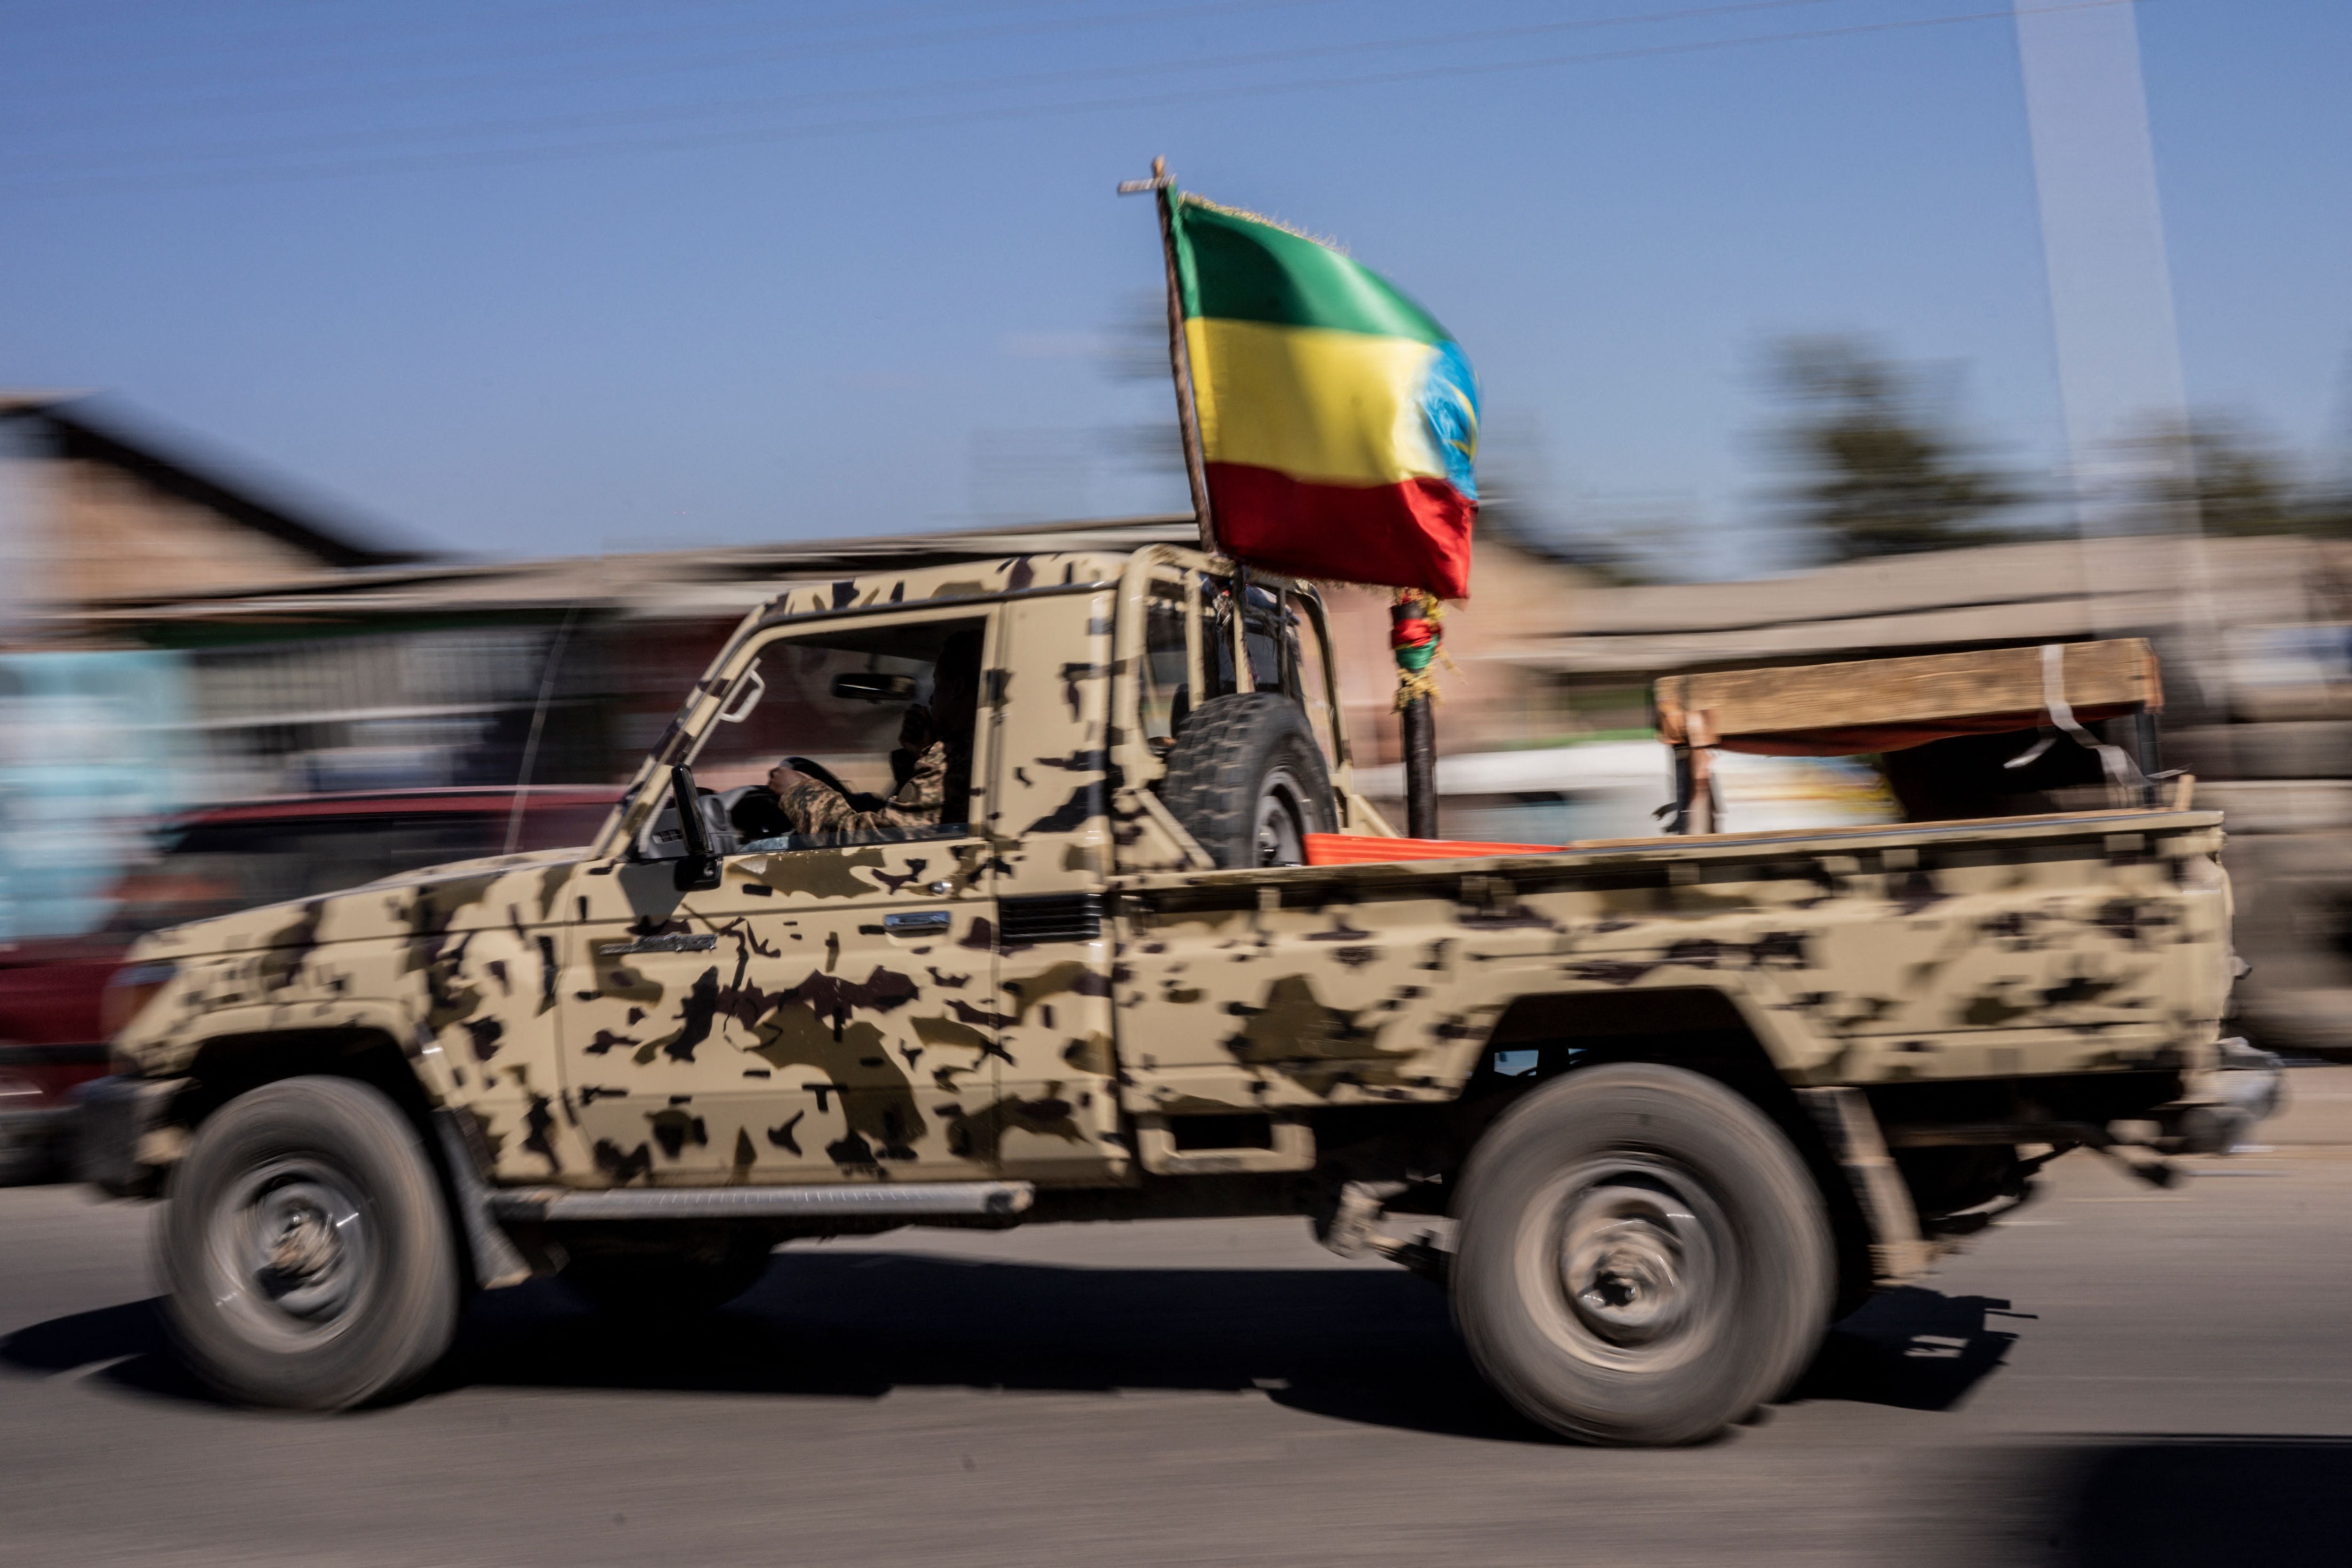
x=667, y=941
x=917, y=923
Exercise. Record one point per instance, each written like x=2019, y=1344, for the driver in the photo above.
x=935, y=741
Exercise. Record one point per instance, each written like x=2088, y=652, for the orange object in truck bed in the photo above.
x=1354, y=849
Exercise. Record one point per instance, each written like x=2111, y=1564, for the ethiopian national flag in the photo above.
x=1337, y=419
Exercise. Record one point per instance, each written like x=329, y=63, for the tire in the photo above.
x=1246, y=779
x=679, y=1282
x=307, y=1258
x=1618, y=1176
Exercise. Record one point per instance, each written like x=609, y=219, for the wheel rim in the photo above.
x=290, y=1252
x=1280, y=836
x=1628, y=1262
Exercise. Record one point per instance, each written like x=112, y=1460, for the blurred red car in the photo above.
x=53, y=991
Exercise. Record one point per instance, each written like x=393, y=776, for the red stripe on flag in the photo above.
x=1416, y=534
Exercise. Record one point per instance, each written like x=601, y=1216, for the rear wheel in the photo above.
x=307, y=1254
x=1643, y=1256
x=668, y=1282
x=1248, y=780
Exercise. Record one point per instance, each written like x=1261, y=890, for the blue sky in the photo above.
x=518, y=277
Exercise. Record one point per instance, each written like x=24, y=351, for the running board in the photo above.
x=530, y=1203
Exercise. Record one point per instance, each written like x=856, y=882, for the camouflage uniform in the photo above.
x=918, y=807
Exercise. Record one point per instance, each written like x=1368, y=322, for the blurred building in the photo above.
x=101, y=508
x=95, y=732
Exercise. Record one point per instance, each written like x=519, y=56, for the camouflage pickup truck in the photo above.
x=1026, y=931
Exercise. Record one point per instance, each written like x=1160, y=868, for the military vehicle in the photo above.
x=1655, y=1111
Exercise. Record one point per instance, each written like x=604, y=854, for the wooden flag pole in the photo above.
x=1179, y=353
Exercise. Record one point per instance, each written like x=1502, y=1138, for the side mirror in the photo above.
x=699, y=870
x=873, y=686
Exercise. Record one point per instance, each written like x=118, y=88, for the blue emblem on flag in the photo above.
x=1449, y=401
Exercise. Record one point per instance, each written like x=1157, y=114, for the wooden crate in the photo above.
x=1959, y=692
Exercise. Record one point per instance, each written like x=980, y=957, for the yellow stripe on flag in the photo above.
x=1331, y=408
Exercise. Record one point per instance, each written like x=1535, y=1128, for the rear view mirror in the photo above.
x=873, y=686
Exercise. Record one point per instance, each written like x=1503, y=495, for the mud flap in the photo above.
x=496, y=1261
x=1898, y=1253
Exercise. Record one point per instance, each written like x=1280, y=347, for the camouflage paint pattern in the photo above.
x=599, y=1026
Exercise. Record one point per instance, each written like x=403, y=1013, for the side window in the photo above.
x=876, y=725
x=1166, y=687
x=1285, y=652
x=1311, y=670
x=1269, y=640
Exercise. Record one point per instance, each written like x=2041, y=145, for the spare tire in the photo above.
x=1246, y=779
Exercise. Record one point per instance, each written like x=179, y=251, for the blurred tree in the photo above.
x=2239, y=484
x=1879, y=477
x=2231, y=483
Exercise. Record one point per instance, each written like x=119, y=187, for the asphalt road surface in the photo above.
x=2118, y=1375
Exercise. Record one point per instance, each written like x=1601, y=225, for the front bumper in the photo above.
x=116, y=1121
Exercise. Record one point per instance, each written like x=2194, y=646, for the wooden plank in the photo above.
x=1922, y=690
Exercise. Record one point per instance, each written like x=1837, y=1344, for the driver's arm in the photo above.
x=812, y=808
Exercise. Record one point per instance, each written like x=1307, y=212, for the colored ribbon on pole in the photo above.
x=1415, y=632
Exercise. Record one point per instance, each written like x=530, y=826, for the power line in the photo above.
x=237, y=46
x=655, y=115
x=504, y=75
x=426, y=162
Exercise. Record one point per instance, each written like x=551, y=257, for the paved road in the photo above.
x=2119, y=1375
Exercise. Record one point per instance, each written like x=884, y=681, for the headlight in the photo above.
x=128, y=993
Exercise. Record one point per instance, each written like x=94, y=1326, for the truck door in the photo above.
x=824, y=1014
x=1050, y=818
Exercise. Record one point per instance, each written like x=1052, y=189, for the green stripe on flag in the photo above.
x=1239, y=268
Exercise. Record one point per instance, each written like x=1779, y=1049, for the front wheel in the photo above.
x=1643, y=1258
x=308, y=1259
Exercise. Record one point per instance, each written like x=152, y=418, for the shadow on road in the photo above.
x=1364, y=1345
x=128, y=1342
x=2170, y=1502
x=1914, y=1349
x=1355, y=1345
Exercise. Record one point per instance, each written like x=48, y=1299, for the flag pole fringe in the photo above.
x=1192, y=199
